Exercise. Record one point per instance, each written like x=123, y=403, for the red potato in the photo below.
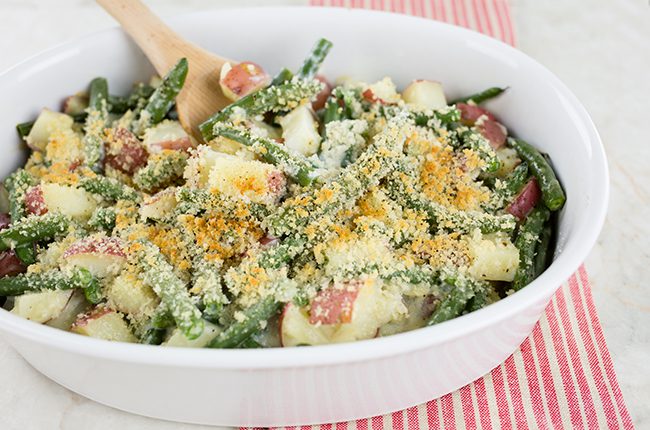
x=242, y=79
x=321, y=98
x=526, y=200
x=493, y=131
x=425, y=94
x=167, y=135
x=370, y=96
x=334, y=305
x=125, y=152
x=76, y=104
x=269, y=241
x=103, y=323
x=159, y=205
x=277, y=183
x=10, y=264
x=5, y=220
x=101, y=256
x=469, y=114
x=35, y=201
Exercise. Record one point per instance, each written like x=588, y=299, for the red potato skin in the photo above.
x=372, y=98
x=5, y=220
x=91, y=315
x=106, y=246
x=493, y=132
x=35, y=202
x=10, y=264
x=524, y=203
x=182, y=144
x=321, y=98
x=277, y=183
x=334, y=305
x=245, y=78
x=469, y=114
x=269, y=241
x=126, y=153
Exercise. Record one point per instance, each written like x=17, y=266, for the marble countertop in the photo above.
x=600, y=52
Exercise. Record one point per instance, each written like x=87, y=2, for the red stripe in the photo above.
x=565, y=371
x=456, y=15
x=604, y=352
x=592, y=357
x=500, y=19
x=441, y=10
x=515, y=393
x=486, y=18
x=432, y=414
x=583, y=385
x=434, y=11
x=326, y=426
x=362, y=424
x=533, y=384
x=397, y=420
x=377, y=423
x=502, y=401
x=477, y=17
x=483, y=408
x=448, y=417
x=342, y=426
x=547, y=376
x=509, y=26
x=467, y=401
x=463, y=13
x=305, y=427
x=412, y=418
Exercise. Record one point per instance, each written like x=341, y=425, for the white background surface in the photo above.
x=600, y=49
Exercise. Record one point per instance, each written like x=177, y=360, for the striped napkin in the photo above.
x=562, y=376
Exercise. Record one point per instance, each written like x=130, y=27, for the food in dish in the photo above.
x=314, y=214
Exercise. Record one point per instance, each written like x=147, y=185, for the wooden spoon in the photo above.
x=201, y=95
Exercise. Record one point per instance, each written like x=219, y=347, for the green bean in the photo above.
x=92, y=290
x=103, y=219
x=293, y=164
x=33, y=229
x=445, y=218
x=526, y=242
x=16, y=185
x=552, y=193
x=240, y=331
x=50, y=280
x=161, y=170
x=333, y=111
x=281, y=254
x=26, y=253
x=463, y=290
x=283, y=76
x=479, y=98
x=109, y=188
x=479, y=144
x=249, y=343
x=315, y=59
x=543, y=250
x=276, y=98
x=24, y=128
x=119, y=105
x=352, y=182
x=164, y=97
x=160, y=276
x=153, y=336
x=429, y=118
x=97, y=116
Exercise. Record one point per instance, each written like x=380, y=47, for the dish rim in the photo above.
x=333, y=354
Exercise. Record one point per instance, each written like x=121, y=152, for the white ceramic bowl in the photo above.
x=325, y=383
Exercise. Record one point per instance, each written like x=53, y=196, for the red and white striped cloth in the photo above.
x=562, y=376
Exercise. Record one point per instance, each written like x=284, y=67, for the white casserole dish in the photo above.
x=326, y=383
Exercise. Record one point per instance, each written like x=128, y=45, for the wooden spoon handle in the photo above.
x=162, y=46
